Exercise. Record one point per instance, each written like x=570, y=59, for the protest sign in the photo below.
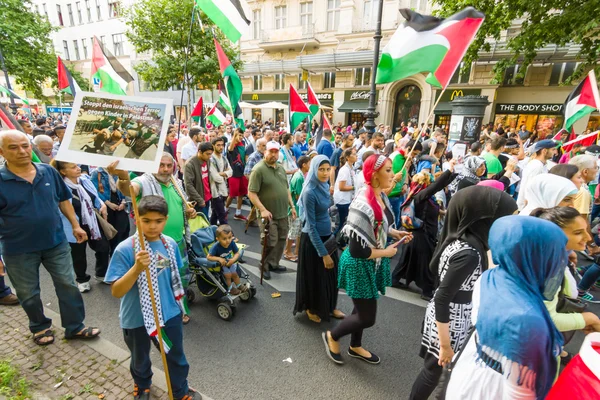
x=105, y=127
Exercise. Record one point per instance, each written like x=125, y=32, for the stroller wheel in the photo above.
x=246, y=296
x=191, y=295
x=252, y=292
x=225, y=311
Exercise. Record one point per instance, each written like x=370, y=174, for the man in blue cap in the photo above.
x=541, y=152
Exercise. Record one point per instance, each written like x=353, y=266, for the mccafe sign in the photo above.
x=527, y=108
x=362, y=95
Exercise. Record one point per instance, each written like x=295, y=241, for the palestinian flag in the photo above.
x=7, y=120
x=572, y=135
x=233, y=83
x=216, y=116
x=585, y=140
x=66, y=83
x=313, y=103
x=198, y=113
x=108, y=75
x=225, y=103
x=298, y=110
x=582, y=101
x=228, y=15
x=14, y=94
x=424, y=43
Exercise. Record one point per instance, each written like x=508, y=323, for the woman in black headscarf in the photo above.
x=459, y=259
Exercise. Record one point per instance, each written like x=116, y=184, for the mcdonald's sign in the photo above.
x=254, y=96
x=451, y=94
x=456, y=93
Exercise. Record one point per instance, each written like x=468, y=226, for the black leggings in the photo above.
x=363, y=317
x=428, y=378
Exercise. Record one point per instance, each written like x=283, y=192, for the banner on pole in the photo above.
x=105, y=127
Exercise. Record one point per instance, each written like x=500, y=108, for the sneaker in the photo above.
x=84, y=287
x=10, y=300
x=234, y=291
x=586, y=296
x=192, y=395
x=240, y=217
x=243, y=288
x=597, y=284
x=140, y=394
x=101, y=279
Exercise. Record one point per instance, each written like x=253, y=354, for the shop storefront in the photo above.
x=407, y=106
x=543, y=118
x=278, y=114
x=356, y=104
x=443, y=110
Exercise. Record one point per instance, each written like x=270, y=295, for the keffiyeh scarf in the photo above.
x=470, y=165
x=88, y=216
x=142, y=282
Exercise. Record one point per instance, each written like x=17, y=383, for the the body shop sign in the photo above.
x=529, y=108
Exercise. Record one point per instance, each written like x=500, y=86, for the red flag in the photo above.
x=326, y=124
x=586, y=140
x=572, y=136
x=198, y=109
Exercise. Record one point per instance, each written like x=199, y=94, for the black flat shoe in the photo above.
x=336, y=358
x=266, y=275
x=371, y=360
x=279, y=268
x=426, y=297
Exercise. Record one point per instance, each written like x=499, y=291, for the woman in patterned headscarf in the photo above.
x=364, y=267
x=472, y=171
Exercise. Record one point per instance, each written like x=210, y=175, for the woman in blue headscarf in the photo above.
x=513, y=351
x=316, y=280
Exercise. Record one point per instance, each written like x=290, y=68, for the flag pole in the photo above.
x=152, y=298
x=187, y=51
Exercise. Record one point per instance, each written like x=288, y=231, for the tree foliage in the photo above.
x=160, y=28
x=26, y=45
x=545, y=22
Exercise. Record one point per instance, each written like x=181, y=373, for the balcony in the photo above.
x=289, y=38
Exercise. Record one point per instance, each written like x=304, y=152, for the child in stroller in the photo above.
x=226, y=253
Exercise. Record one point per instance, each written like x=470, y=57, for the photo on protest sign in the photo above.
x=104, y=128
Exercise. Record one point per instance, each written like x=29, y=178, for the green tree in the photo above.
x=545, y=22
x=26, y=45
x=77, y=76
x=161, y=28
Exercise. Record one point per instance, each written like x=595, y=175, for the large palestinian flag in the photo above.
x=585, y=140
x=228, y=15
x=424, y=43
x=66, y=83
x=108, y=75
x=313, y=102
x=216, y=116
x=582, y=101
x=233, y=83
x=14, y=94
x=298, y=110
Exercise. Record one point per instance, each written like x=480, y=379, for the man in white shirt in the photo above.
x=228, y=133
x=191, y=149
x=542, y=151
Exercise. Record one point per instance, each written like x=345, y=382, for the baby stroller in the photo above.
x=208, y=277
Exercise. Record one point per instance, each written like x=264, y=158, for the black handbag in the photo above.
x=331, y=245
x=567, y=305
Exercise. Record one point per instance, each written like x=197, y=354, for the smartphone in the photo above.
x=403, y=240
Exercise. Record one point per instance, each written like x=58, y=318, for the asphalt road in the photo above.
x=266, y=353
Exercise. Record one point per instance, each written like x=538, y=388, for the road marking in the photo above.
x=257, y=257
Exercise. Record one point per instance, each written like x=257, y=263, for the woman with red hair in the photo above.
x=364, y=267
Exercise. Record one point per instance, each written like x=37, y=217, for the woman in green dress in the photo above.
x=364, y=267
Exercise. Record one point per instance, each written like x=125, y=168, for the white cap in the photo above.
x=272, y=145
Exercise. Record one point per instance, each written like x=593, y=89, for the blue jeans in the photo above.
x=204, y=210
x=590, y=277
x=4, y=290
x=396, y=202
x=140, y=366
x=24, y=273
x=343, y=215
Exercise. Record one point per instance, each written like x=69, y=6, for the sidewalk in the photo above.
x=67, y=369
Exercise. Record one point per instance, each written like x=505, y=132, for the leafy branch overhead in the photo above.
x=26, y=45
x=159, y=28
x=544, y=23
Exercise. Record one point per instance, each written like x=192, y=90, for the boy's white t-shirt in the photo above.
x=346, y=175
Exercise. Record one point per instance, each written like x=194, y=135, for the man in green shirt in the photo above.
x=268, y=191
x=295, y=189
x=491, y=158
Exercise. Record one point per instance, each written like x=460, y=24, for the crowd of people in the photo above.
x=355, y=210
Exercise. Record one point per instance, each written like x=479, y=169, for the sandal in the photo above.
x=86, y=333
x=313, y=317
x=337, y=314
x=290, y=258
x=186, y=319
x=38, y=337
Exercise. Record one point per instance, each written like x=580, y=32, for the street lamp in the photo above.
x=13, y=106
x=371, y=114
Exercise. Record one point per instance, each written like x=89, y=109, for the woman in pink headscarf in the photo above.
x=364, y=267
x=493, y=184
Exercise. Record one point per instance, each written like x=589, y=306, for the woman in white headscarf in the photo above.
x=547, y=191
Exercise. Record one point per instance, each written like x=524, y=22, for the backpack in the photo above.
x=408, y=219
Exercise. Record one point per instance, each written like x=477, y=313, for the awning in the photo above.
x=354, y=107
x=443, y=108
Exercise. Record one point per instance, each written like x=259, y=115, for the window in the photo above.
x=70, y=11
x=98, y=13
x=89, y=10
x=306, y=13
x=45, y=10
x=84, y=48
x=59, y=12
x=459, y=76
x=418, y=5
x=561, y=72
x=256, y=25
x=510, y=76
x=79, y=16
x=301, y=83
x=76, y=47
x=66, y=50
x=333, y=14
x=370, y=11
x=362, y=77
x=279, y=82
x=328, y=80
x=118, y=44
x=103, y=41
x=114, y=9
x=257, y=82
x=280, y=17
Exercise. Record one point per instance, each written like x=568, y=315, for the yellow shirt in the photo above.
x=583, y=200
